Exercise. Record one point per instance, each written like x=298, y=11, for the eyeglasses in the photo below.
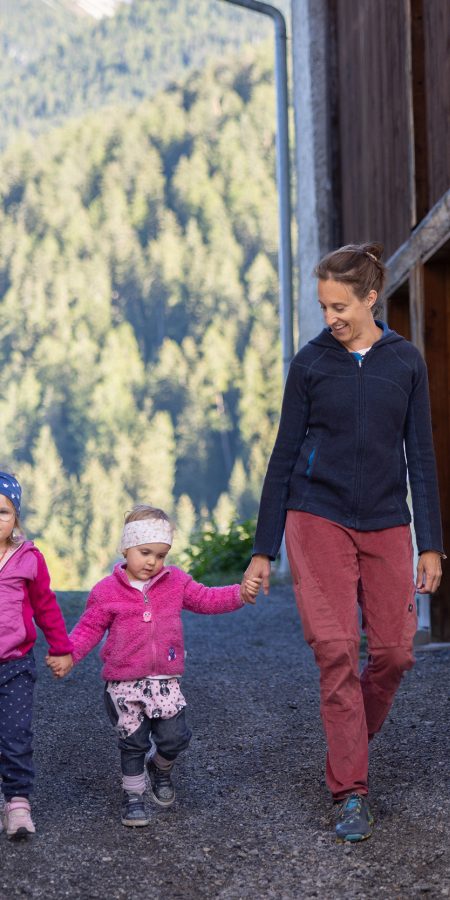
x=6, y=515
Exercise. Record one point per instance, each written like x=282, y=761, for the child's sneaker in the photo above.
x=133, y=809
x=162, y=789
x=18, y=819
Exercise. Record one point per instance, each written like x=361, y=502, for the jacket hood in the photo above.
x=326, y=339
x=24, y=548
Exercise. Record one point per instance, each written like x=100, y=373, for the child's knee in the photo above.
x=172, y=736
x=138, y=741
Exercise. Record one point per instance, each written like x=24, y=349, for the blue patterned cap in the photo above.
x=10, y=487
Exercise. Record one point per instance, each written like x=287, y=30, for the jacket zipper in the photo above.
x=152, y=635
x=360, y=440
x=152, y=624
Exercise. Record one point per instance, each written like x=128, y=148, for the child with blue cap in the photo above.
x=25, y=595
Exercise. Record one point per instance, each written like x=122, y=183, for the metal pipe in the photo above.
x=283, y=179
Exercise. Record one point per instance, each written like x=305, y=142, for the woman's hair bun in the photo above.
x=374, y=249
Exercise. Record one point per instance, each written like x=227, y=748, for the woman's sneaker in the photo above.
x=162, y=789
x=355, y=820
x=133, y=810
x=18, y=819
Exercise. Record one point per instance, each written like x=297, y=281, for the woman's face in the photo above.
x=347, y=316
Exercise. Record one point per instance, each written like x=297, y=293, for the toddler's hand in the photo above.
x=60, y=665
x=252, y=587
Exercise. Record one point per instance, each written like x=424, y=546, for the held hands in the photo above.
x=429, y=567
x=258, y=572
x=60, y=665
x=251, y=590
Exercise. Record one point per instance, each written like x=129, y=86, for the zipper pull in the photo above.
x=146, y=615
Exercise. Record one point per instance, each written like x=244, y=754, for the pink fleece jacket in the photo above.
x=145, y=634
x=25, y=595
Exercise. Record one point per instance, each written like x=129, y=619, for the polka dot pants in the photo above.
x=17, y=679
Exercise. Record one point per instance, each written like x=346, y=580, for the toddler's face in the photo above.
x=145, y=561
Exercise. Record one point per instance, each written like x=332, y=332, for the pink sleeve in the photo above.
x=46, y=612
x=210, y=600
x=89, y=631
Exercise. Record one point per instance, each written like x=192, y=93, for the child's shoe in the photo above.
x=133, y=809
x=18, y=819
x=162, y=789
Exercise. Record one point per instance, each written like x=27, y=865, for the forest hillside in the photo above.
x=139, y=344
x=55, y=65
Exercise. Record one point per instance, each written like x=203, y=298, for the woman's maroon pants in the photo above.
x=335, y=568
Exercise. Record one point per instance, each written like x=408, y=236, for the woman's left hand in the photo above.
x=429, y=565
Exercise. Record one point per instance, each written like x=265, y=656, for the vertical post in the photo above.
x=416, y=307
x=283, y=176
x=419, y=132
x=284, y=199
x=315, y=62
x=284, y=194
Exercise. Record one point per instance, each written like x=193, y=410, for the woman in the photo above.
x=356, y=401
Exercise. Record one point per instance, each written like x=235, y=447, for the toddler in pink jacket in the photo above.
x=139, y=606
x=25, y=595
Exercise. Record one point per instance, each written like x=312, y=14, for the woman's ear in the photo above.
x=371, y=299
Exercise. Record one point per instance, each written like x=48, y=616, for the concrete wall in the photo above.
x=311, y=126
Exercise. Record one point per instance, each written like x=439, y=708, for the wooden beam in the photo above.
x=416, y=307
x=433, y=231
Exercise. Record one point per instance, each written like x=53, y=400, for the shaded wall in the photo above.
x=436, y=25
x=373, y=121
x=381, y=85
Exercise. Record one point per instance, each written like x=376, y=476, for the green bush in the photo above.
x=214, y=554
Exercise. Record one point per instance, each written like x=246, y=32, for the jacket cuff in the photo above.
x=236, y=596
x=61, y=650
x=432, y=550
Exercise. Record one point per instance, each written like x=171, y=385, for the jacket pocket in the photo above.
x=310, y=461
x=307, y=456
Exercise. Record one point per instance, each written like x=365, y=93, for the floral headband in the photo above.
x=146, y=531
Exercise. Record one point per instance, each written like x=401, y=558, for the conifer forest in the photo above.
x=139, y=332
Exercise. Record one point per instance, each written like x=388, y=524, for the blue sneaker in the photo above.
x=355, y=820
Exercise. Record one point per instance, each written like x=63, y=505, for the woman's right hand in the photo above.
x=258, y=568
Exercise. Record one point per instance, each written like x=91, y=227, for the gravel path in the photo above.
x=253, y=817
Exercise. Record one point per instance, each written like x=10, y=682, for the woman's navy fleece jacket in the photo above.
x=341, y=444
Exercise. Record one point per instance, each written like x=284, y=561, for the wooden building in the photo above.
x=372, y=84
